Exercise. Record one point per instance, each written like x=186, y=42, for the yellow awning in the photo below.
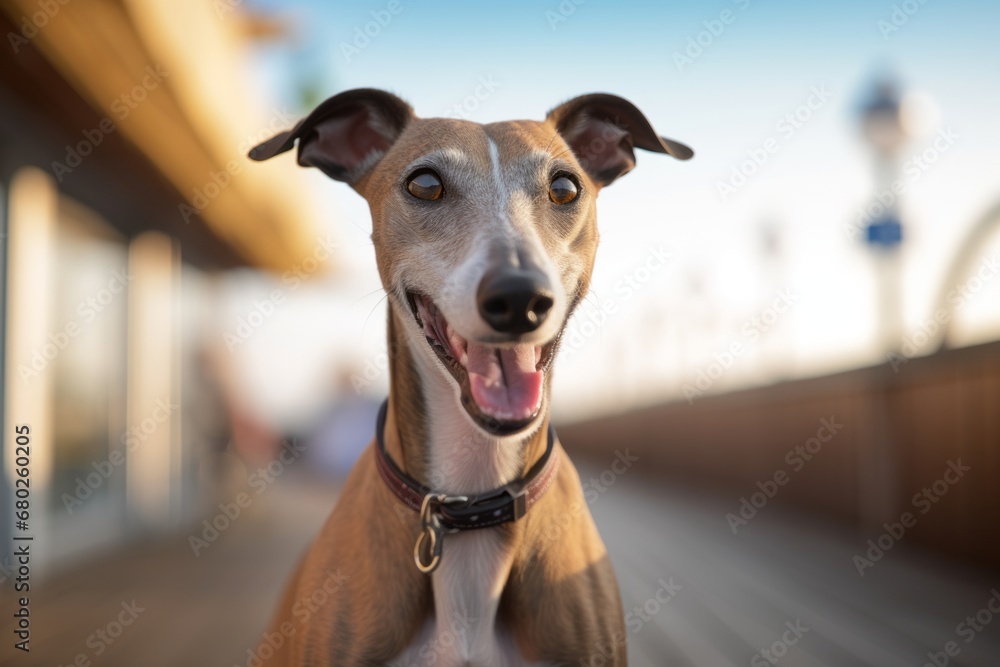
x=171, y=75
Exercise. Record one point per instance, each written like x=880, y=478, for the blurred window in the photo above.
x=90, y=297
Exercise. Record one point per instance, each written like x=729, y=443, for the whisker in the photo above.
x=360, y=299
x=568, y=150
x=547, y=147
x=372, y=312
x=589, y=298
x=357, y=226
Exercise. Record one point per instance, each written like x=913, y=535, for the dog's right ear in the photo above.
x=345, y=135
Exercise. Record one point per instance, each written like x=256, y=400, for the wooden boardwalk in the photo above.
x=706, y=598
x=739, y=591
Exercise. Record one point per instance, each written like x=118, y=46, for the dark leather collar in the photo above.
x=503, y=505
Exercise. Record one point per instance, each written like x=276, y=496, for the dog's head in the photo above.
x=484, y=234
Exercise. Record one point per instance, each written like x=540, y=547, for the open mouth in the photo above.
x=501, y=385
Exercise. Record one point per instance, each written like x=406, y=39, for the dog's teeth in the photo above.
x=456, y=344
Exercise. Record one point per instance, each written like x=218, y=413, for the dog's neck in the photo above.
x=431, y=437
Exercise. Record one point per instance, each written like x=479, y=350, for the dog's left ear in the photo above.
x=603, y=129
x=345, y=135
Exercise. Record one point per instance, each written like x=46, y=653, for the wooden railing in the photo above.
x=891, y=436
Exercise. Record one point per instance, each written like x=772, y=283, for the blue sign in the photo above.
x=886, y=232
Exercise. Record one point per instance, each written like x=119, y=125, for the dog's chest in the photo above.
x=464, y=629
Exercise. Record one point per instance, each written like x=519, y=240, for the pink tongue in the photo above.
x=504, y=382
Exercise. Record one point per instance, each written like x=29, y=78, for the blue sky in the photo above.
x=765, y=63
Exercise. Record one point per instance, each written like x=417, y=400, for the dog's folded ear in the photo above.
x=345, y=135
x=603, y=129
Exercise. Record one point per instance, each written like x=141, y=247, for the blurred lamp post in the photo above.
x=883, y=130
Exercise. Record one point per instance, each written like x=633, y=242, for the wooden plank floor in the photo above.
x=205, y=610
x=739, y=591
x=736, y=592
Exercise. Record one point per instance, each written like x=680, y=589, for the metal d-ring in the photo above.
x=430, y=527
x=435, y=551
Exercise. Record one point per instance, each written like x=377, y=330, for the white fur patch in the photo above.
x=474, y=565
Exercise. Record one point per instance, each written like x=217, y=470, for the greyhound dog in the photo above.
x=462, y=536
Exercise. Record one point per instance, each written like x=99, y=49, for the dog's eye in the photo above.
x=425, y=184
x=562, y=190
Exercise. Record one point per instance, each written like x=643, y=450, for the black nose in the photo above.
x=514, y=301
